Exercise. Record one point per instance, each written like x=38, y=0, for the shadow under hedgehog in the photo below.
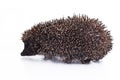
x=74, y=39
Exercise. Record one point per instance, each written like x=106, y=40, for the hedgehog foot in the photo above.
x=87, y=61
x=47, y=57
x=67, y=60
x=97, y=60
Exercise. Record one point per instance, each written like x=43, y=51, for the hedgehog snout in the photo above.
x=28, y=51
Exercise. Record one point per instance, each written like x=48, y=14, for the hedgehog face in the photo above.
x=28, y=49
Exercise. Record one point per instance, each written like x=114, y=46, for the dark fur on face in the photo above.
x=75, y=39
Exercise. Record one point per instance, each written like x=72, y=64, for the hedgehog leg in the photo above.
x=67, y=60
x=47, y=57
x=87, y=61
x=96, y=60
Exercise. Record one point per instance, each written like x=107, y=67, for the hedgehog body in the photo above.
x=74, y=39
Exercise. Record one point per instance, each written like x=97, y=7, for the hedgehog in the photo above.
x=73, y=39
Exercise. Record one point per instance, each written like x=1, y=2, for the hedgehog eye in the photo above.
x=36, y=45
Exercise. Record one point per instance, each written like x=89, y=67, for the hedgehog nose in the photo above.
x=23, y=53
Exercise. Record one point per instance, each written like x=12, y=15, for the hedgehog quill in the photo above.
x=73, y=39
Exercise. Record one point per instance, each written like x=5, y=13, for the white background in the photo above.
x=18, y=15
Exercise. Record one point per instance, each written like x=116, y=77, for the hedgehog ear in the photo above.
x=27, y=50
